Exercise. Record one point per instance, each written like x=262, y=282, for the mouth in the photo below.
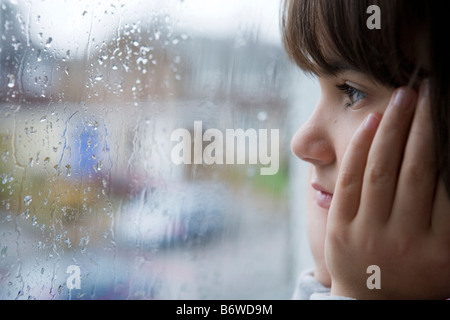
x=323, y=198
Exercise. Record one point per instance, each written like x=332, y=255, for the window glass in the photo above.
x=97, y=100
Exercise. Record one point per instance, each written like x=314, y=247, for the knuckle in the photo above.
x=347, y=178
x=378, y=174
x=415, y=172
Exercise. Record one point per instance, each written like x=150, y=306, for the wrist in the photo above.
x=323, y=277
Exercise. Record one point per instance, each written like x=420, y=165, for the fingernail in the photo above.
x=371, y=122
x=403, y=97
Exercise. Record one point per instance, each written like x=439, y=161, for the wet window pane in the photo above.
x=102, y=194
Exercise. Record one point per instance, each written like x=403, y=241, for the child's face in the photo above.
x=346, y=99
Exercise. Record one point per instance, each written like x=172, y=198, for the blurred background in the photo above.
x=90, y=92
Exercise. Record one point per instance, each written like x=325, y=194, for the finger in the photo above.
x=418, y=174
x=383, y=163
x=347, y=191
x=440, y=221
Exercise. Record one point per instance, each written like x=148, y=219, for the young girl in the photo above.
x=378, y=144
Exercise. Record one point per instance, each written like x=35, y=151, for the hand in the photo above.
x=390, y=207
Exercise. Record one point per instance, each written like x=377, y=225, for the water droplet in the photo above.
x=5, y=156
x=48, y=43
x=3, y=252
x=93, y=123
x=157, y=34
x=46, y=160
x=38, y=55
x=11, y=80
x=27, y=200
x=33, y=221
x=142, y=60
x=68, y=167
x=102, y=59
x=98, y=166
x=262, y=116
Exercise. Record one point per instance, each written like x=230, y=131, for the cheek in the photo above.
x=349, y=123
x=343, y=136
x=317, y=221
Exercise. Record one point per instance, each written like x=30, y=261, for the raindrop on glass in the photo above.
x=262, y=116
x=68, y=168
x=11, y=80
x=157, y=34
x=3, y=252
x=48, y=43
x=27, y=200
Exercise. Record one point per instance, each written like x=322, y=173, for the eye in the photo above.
x=353, y=94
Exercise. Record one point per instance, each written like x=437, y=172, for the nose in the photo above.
x=313, y=141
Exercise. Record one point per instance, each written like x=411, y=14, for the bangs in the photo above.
x=325, y=37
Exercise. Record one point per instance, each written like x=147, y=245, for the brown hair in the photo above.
x=409, y=47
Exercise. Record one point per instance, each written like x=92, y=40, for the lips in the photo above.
x=323, y=197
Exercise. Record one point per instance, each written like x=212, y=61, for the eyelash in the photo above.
x=351, y=92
